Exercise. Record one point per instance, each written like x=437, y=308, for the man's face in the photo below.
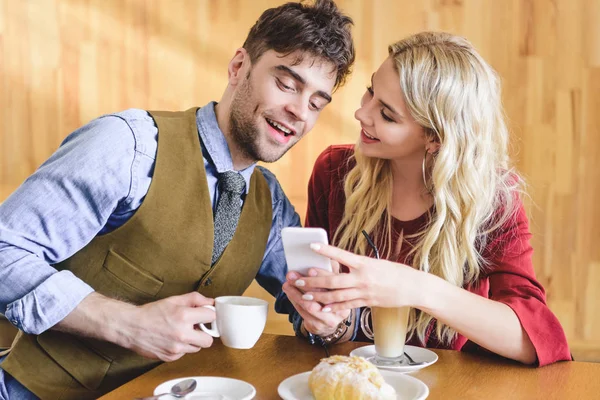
x=277, y=101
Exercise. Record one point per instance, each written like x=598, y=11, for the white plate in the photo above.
x=418, y=354
x=407, y=388
x=212, y=387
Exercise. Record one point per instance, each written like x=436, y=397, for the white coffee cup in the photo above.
x=240, y=320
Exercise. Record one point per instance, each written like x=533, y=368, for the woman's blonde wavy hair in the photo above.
x=455, y=96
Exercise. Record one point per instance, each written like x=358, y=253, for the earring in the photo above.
x=429, y=188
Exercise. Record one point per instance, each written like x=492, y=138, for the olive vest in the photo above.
x=164, y=249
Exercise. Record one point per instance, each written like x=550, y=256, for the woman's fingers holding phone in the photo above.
x=296, y=279
x=335, y=266
x=315, y=320
x=296, y=296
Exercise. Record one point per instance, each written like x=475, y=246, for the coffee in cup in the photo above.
x=389, y=327
x=240, y=320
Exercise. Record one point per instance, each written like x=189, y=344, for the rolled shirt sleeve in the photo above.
x=56, y=212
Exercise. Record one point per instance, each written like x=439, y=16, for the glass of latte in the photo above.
x=389, y=328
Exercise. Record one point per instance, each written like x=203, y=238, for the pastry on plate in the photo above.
x=348, y=378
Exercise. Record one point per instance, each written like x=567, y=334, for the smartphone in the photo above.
x=298, y=254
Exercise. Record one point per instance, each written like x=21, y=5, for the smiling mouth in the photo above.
x=275, y=125
x=369, y=136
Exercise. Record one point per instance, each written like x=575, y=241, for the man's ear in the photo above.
x=238, y=66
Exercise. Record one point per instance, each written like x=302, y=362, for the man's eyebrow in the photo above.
x=324, y=95
x=296, y=76
x=381, y=101
x=291, y=72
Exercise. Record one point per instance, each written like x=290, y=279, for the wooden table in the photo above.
x=455, y=375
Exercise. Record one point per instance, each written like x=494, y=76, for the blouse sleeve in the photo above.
x=512, y=281
x=318, y=192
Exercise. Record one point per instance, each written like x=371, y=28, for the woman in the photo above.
x=430, y=181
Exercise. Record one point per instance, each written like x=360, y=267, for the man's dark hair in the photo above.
x=319, y=29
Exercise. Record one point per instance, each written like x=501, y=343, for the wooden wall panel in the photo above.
x=64, y=62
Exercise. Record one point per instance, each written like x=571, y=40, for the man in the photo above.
x=110, y=248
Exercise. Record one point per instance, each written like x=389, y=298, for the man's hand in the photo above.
x=164, y=329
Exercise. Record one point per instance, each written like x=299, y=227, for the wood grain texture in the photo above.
x=455, y=375
x=65, y=62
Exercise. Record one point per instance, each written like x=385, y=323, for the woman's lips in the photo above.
x=367, y=139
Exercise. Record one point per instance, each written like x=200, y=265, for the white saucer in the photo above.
x=407, y=388
x=211, y=388
x=418, y=354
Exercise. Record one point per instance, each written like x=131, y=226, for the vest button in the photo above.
x=208, y=282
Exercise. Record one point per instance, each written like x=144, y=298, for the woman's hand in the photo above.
x=316, y=321
x=370, y=282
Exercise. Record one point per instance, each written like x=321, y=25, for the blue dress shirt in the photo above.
x=90, y=186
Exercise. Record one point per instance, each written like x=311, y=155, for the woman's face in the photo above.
x=388, y=130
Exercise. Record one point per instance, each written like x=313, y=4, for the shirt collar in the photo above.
x=215, y=145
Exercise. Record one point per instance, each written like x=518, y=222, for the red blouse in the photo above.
x=509, y=278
